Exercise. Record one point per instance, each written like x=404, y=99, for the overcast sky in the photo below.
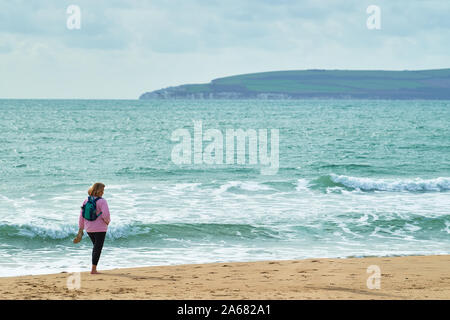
x=127, y=47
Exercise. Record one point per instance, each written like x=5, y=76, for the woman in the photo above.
x=95, y=229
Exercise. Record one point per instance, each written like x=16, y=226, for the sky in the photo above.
x=124, y=48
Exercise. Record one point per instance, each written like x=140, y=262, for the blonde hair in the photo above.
x=96, y=189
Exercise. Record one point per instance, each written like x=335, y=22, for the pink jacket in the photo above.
x=101, y=223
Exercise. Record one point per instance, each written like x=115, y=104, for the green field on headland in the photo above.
x=304, y=84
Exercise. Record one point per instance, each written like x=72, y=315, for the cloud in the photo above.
x=126, y=47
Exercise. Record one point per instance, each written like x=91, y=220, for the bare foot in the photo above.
x=95, y=272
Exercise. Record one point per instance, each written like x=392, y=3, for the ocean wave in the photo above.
x=14, y=233
x=440, y=184
x=187, y=171
x=239, y=186
x=414, y=185
x=302, y=184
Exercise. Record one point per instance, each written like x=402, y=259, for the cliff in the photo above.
x=308, y=84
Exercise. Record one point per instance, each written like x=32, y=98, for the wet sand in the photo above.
x=412, y=277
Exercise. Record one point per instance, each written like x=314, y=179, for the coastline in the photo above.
x=405, y=277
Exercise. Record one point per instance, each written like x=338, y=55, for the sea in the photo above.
x=355, y=178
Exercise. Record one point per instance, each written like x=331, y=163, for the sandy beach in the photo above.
x=411, y=277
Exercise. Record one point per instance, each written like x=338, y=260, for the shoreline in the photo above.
x=401, y=277
x=212, y=263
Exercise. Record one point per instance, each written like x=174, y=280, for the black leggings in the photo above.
x=97, y=239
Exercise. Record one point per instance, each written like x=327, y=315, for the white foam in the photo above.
x=302, y=184
x=57, y=232
x=368, y=184
x=187, y=186
x=68, y=230
x=247, y=186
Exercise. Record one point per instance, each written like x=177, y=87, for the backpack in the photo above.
x=89, y=209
